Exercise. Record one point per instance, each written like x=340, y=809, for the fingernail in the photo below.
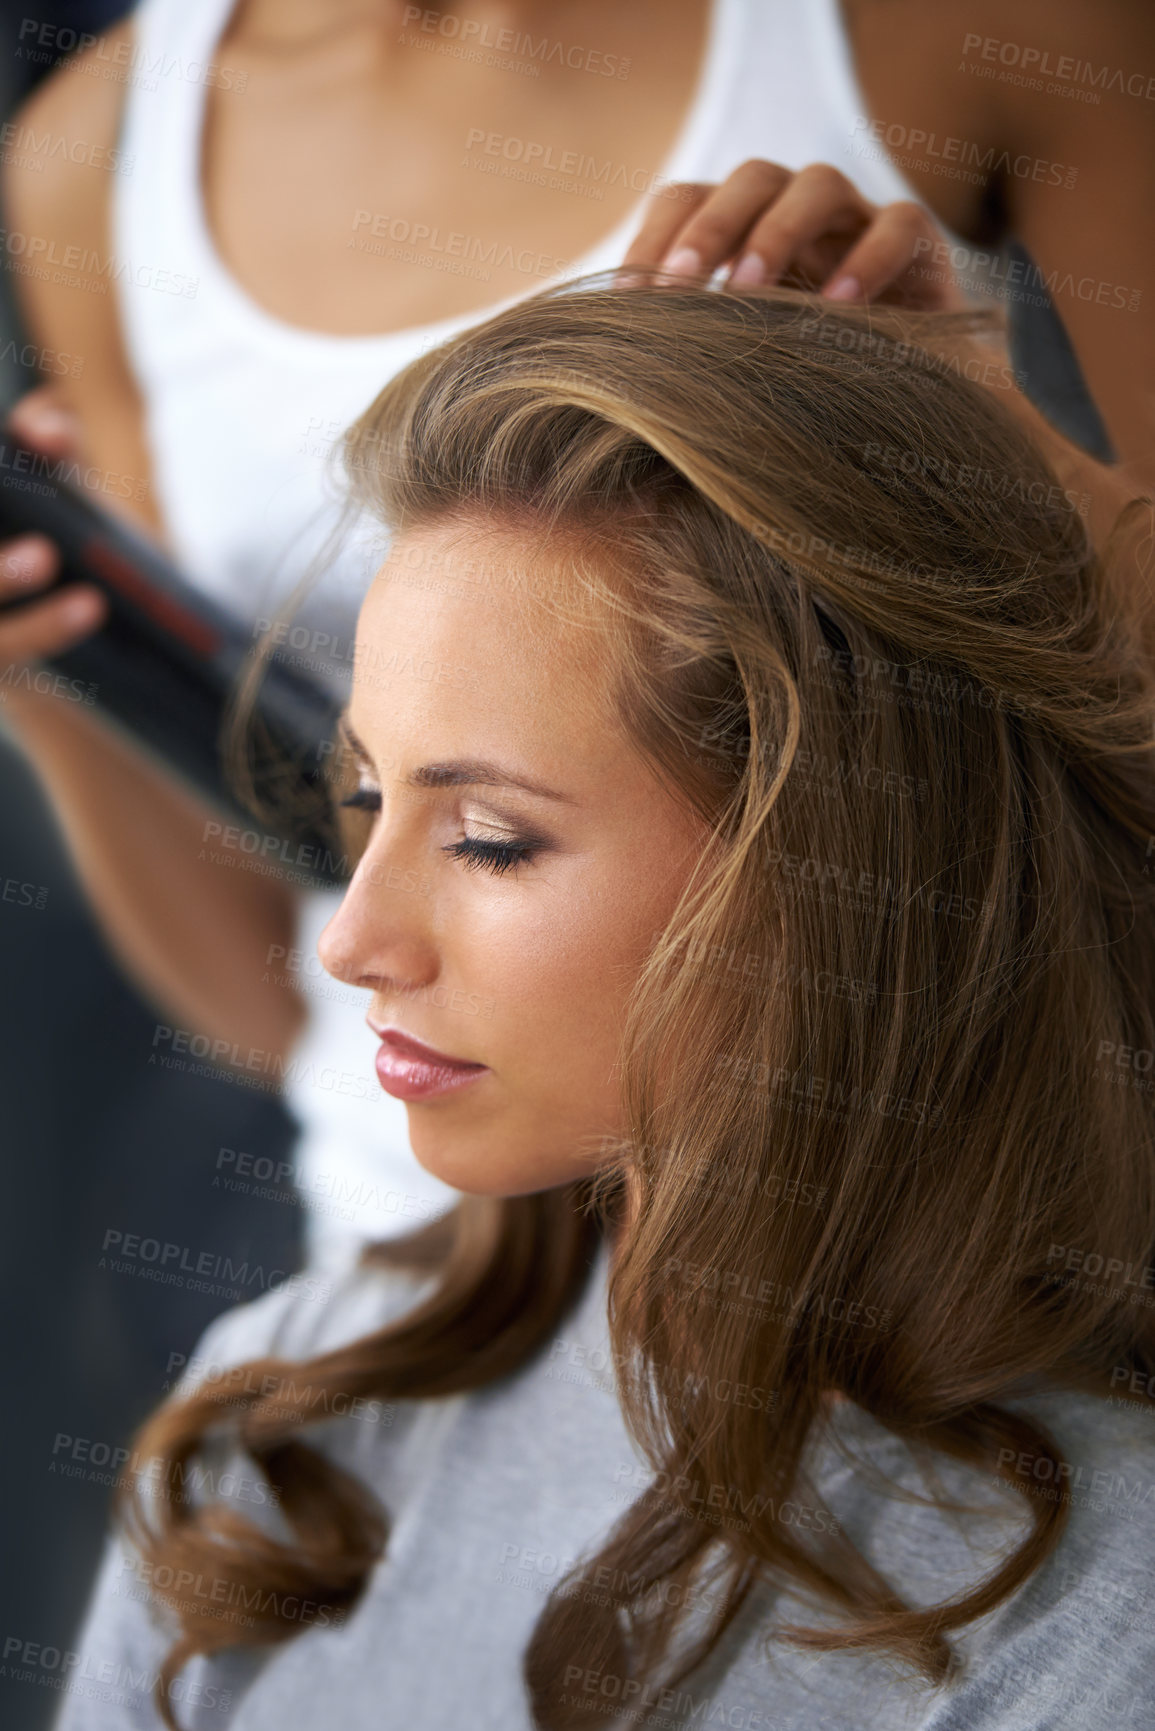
x=77, y=611
x=26, y=556
x=684, y=262
x=749, y=270
x=843, y=288
x=56, y=422
x=30, y=541
x=46, y=424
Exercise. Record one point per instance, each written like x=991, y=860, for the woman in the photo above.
x=796, y=818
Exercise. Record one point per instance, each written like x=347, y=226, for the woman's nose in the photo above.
x=337, y=951
x=378, y=933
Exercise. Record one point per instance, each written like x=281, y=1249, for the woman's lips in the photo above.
x=410, y=1071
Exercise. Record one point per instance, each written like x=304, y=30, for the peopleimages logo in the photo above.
x=1003, y=273
x=250, y=1067
x=537, y=155
x=468, y=36
x=1033, y=64
x=119, y=1249
x=258, y=843
x=115, y=1682
x=957, y=158
x=102, y=1463
x=1091, y=1264
x=81, y=266
x=27, y=148
x=121, y=62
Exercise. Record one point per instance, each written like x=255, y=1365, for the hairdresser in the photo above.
x=320, y=193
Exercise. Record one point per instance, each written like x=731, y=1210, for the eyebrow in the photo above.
x=458, y=772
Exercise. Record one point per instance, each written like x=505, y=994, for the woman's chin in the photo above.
x=476, y=1170
x=465, y=1165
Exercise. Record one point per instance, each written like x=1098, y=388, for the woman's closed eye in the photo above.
x=473, y=851
x=496, y=856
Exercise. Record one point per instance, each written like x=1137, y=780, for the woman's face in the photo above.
x=523, y=970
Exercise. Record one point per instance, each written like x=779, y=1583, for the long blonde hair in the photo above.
x=902, y=696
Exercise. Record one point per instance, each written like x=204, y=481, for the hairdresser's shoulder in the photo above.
x=60, y=176
x=314, y=1311
x=62, y=138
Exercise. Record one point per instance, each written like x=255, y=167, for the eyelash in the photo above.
x=494, y=856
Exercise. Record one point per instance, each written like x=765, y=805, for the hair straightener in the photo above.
x=166, y=667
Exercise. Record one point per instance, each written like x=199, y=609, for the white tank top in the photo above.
x=242, y=410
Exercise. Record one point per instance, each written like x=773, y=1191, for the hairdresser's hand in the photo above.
x=28, y=563
x=809, y=229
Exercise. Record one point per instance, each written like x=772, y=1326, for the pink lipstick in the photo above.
x=411, y=1071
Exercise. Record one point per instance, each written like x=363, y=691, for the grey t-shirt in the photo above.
x=493, y=1494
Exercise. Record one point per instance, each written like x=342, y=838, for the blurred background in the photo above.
x=95, y=1139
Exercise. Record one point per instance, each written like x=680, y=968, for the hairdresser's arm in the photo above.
x=1074, y=179
x=1095, y=241
x=1101, y=493
x=191, y=934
